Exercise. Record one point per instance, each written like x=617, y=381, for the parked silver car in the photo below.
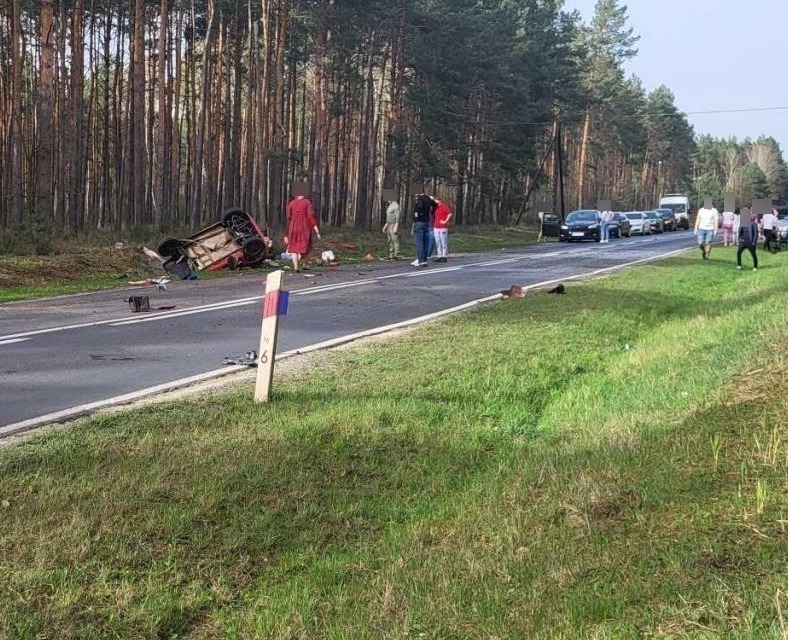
x=637, y=222
x=653, y=222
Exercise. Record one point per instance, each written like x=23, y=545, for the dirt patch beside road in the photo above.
x=106, y=263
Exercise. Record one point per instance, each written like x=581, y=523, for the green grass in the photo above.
x=515, y=472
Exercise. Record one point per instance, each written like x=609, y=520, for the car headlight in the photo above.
x=592, y=226
x=564, y=227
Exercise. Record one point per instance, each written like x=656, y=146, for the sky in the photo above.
x=714, y=55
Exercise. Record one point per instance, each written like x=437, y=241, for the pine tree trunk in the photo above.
x=581, y=165
x=317, y=163
x=137, y=117
x=196, y=205
x=77, y=154
x=17, y=167
x=164, y=129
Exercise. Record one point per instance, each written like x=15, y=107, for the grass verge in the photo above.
x=611, y=463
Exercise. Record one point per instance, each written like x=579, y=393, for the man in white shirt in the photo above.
x=768, y=225
x=706, y=224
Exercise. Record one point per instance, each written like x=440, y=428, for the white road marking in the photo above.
x=186, y=312
x=12, y=341
x=426, y=272
x=229, y=304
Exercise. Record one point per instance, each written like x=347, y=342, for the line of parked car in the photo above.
x=586, y=224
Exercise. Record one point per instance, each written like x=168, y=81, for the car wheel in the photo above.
x=253, y=248
x=238, y=221
x=231, y=214
x=170, y=247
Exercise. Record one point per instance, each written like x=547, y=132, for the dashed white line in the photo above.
x=12, y=341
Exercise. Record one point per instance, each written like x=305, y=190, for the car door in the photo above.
x=551, y=225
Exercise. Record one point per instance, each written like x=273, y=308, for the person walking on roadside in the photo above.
x=391, y=228
x=706, y=226
x=423, y=209
x=301, y=222
x=441, y=230
x=768, y=225
x=727, y=228
x=605, y=218
x=748, y=241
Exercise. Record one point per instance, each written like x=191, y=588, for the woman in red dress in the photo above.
x=300, y=224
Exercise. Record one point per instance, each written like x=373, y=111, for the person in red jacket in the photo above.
x=441, y=230
x=301, y=222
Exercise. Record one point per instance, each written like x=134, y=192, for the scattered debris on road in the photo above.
x=142, y=303
x=161, y=283
x=249, y=359
x=515, y=291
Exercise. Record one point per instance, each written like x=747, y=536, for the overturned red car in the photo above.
x=235, y=242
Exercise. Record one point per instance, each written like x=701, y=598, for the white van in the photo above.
x=680, y=205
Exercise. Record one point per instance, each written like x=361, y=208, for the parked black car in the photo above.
x=551, y=225
x=621, y=227
x=581, y=225
x=669, y=222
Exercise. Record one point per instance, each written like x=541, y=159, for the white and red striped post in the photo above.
x=274, y=305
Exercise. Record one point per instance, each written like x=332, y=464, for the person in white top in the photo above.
x=768, y=224
x=727, y=228
x=736, y=226
x=605, y=219
x=391, y=228
x=706, y=225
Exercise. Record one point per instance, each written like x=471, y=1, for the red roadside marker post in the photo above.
x=274, y=305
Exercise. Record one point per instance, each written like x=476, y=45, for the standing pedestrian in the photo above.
x=441, y=229
x=768, y=224
x=391, y=228
x=748, y=240
x=706, y=225
x=301, y=222
x=605, y=219
x=423, y=208
x=727, y=228
x=540, y=237
x=736, y=225
x=431, y=229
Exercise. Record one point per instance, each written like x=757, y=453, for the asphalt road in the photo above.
x=65, y=352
